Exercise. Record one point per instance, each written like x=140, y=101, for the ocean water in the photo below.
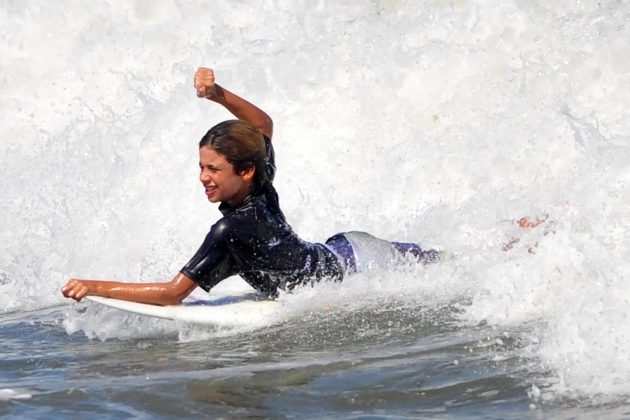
x=437, y=121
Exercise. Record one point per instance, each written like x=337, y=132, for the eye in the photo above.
x=212, y=169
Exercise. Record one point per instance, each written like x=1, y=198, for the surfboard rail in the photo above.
x=229, y=309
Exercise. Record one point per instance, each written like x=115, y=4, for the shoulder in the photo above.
x=224, y=227
x=227, y=230
x=234, y=220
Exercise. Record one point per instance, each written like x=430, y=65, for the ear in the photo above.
x=248, y=174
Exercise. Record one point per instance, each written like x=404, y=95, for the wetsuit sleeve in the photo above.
x=270, y=168
x=212, y=262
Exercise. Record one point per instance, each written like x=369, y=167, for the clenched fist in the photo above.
x=204, y=82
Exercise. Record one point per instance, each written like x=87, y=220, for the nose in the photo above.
x=204, y=176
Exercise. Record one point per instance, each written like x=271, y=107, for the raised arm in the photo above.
x=170, y=293
x=239, y=107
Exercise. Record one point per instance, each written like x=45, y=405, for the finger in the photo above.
x=204, y=70
x=201, y=72
x=79, y=293
x=203, y=81
x=67, y=288
x=198, y=81
x=73, y=289
x=205, y=76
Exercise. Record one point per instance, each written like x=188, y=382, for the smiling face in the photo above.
x=222, y=184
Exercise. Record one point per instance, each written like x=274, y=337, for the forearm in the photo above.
x=155, y=293
x=243, y=109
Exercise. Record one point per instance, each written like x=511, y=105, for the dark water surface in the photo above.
x=389, y=362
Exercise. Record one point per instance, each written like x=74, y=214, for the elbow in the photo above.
x=266, y=126
x=172, y=298
x=177, y=290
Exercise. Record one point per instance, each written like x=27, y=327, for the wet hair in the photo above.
x=242, y=144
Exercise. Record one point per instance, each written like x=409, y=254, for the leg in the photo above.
x=361, y=251
x=423, y=256
x=342, y=248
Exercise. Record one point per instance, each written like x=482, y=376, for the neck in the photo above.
x=240, y=196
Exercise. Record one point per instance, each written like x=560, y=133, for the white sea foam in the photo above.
x=435, y=121
x=7, y=394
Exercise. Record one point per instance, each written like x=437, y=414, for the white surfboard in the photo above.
x=233, y=309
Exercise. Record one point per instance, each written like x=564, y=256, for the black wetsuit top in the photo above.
x=254, y=241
